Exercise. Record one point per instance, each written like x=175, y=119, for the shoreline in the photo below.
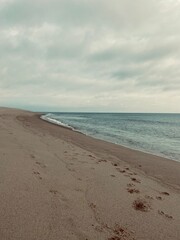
x=147, y=167
x=59, y=184
x=55, y=122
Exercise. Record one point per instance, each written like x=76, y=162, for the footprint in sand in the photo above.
x=41, y=164
x=165, y=215
x=112, y=175
x=130, y=174
x=149, y=197
x=120, y=170
x=115, y=164
x=120, y=233
x=71, y=170
x=133, y=190
x=37, y=174
x=101, y=160
x=165, y=193
x=136, y=180
x=159, y=198
x=53, y=191
x=115, y=238
x=92, y=206
x=32, y=156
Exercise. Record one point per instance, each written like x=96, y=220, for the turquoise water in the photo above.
x=158, y=134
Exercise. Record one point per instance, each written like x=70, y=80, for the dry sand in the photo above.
x=58, y=184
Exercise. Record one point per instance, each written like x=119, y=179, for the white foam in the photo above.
x=54, y=121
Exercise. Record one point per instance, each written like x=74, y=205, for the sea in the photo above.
x=158, y=134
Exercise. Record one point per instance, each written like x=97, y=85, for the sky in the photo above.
x=90, y=55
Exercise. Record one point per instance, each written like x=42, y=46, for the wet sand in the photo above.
x=60, y=184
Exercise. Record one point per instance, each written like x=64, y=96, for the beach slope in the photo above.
x=59, y=184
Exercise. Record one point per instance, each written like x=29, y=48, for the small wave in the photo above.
x=54, y=121
x=73, y=118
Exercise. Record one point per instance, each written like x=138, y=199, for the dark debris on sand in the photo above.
x=141, y=205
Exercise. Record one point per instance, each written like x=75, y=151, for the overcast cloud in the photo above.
x=90, y=55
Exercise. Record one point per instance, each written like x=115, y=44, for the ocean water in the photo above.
x=158, y=134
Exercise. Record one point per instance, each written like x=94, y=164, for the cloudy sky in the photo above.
x=90, y=55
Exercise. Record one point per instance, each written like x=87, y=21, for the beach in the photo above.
x=56, y=183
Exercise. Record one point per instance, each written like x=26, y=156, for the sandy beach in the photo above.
x=57, y=184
